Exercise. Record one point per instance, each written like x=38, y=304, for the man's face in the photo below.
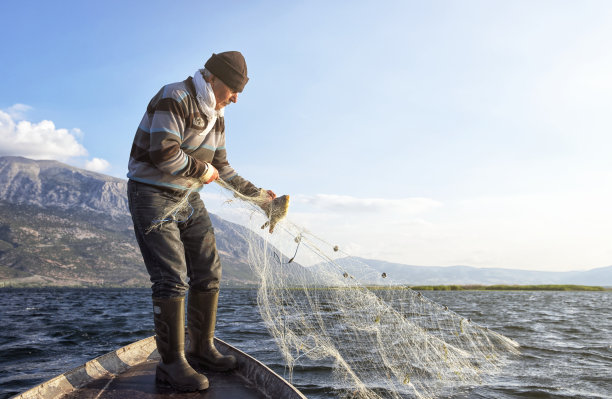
x=223, y=94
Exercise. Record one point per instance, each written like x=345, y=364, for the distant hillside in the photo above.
x=60, y=225
x=427, y=275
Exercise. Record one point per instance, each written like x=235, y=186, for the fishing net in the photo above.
x=327, y=308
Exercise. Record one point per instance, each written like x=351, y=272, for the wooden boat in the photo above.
x=129, y=372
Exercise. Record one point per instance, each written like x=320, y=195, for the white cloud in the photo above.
x=558, y=232
x=18, y=111
x=567, y=231
x=97, y=165
x=344, y=203
x=40, y=140
x=76, y=132
x=43, y=140
x=381, y=228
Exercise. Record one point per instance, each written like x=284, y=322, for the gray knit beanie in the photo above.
x=230, y=67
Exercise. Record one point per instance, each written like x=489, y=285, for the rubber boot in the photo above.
x=201, y=319
x=173, y=369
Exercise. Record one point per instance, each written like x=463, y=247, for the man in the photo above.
x=179, y=143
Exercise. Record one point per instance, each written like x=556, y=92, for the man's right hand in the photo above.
x=210, y=175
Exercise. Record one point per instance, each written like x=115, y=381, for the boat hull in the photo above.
x=129, y=372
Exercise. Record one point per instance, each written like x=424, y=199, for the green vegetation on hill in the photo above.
x=502, y=287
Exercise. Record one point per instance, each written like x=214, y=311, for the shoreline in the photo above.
x=511, y=287
x=441, y=287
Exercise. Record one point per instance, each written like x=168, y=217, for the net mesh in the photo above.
x=381, y=341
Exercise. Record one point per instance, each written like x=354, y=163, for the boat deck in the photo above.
x=139, y=382
x=130, y=373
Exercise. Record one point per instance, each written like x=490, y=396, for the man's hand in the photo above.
x=210, y=175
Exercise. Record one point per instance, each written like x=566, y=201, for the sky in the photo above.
x=431, y=133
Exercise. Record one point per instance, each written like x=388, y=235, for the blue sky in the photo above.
x=427, y=133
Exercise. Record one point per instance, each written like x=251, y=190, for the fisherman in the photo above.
x=179, y=143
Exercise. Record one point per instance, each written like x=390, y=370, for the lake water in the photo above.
x=566, y=337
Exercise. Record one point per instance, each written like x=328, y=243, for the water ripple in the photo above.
x=565, y=337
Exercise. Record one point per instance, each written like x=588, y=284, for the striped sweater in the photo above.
x=171, y=148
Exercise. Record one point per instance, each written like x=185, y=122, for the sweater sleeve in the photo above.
x=166, y=137
x=229, y=175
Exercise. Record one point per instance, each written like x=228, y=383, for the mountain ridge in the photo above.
x=437, y=275
x=61, y=225
x=48, y=183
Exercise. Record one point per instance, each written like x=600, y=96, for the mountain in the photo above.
x=51, y=184
x=465, y=275
x=60, y=225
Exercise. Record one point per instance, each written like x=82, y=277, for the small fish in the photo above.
x=275, y=210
